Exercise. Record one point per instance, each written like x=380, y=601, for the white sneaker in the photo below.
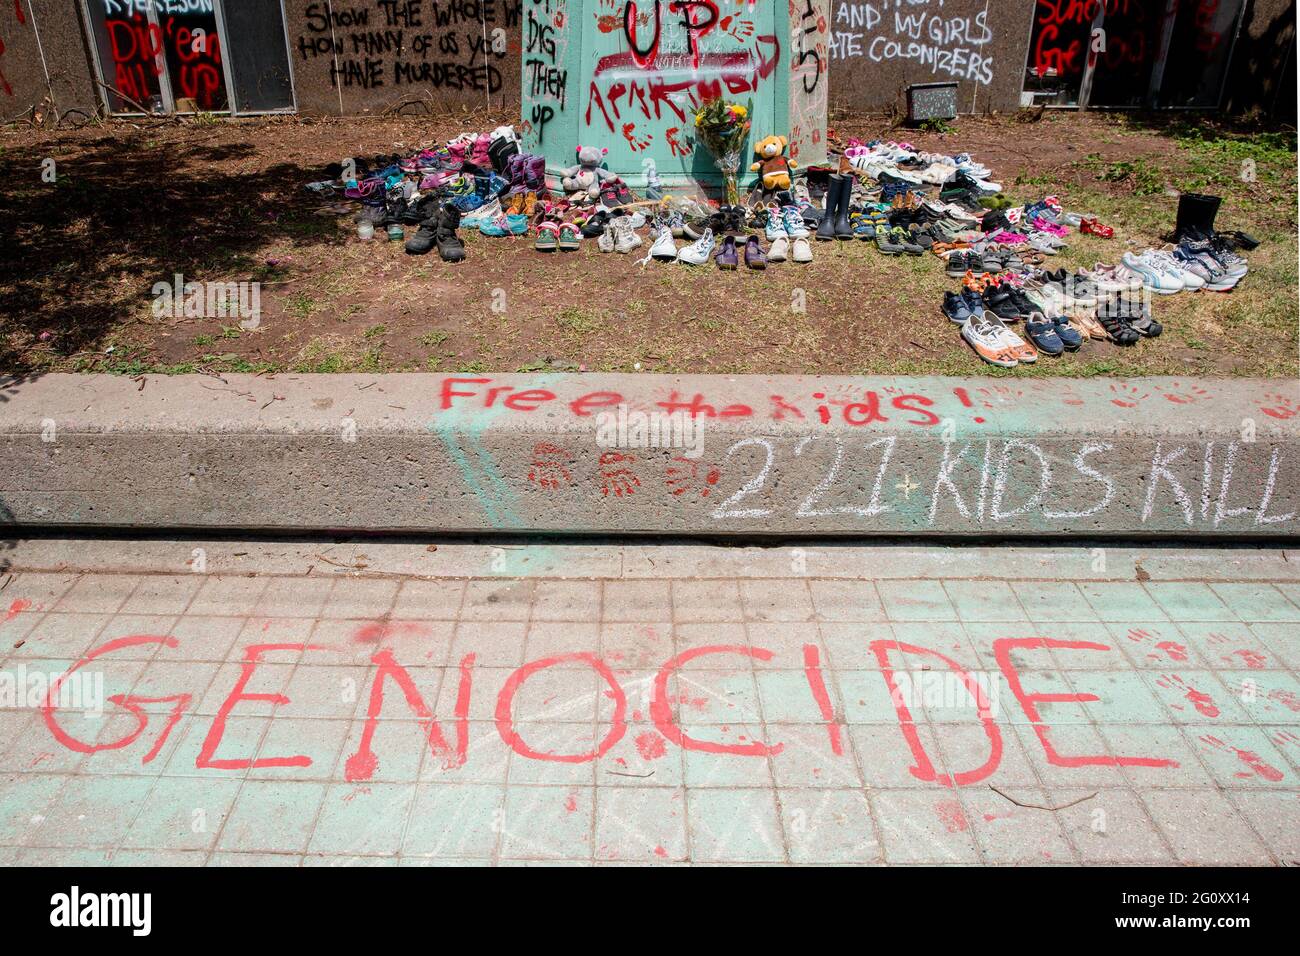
x=484, y=213
x=1154, y=276
x=664, y=249
x=779, y=251
x=800, y=251
x=699, y=252
x=984, y=331
x=1191, y=280
x=625, y=240
x=605, y=241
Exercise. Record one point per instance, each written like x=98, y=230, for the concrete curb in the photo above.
x=781, y=455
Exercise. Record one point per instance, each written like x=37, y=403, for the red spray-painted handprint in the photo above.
x=683, y=477
x=616, y=478
x=1202, y=701
x=1258, y=767
x=548, y=470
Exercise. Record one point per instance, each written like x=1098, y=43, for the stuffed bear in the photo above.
x=773, y=163
x=589, y=174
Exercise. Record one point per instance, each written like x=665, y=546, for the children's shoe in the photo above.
x=1094, y=228
x=483, y=214
x=956, y=307
x=548, y=237
x=664, y=248
x=1070, y=337
x=779, y=251
x=795, y=227
x=1019, y=349
x=495, y=227
x=891, y=242
x=570, y=237
x=754, y=257
x=1042, y=332
x=983, y=332
x=605, y=241
x=1153, y=275
x=699, y=251
x=625, y=240
x=726, y=257
x=775, y=228
x=800, y=251
x=1111, y=280
x=1190, y=279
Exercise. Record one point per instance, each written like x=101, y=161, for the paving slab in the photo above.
x=166, y=717
x=655, y=454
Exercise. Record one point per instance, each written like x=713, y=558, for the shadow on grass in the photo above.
x=79, y=256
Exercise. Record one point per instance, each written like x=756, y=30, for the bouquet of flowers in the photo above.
x=722, y=128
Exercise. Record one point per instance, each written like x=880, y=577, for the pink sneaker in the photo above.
x=1042, y=225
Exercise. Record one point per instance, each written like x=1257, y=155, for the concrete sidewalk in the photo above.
x=380, y=703
x=655, y=454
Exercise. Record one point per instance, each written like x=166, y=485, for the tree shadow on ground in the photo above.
x=79, y=255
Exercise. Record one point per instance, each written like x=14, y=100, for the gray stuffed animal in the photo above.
x=589, y=174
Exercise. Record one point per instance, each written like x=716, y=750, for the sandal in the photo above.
x=1118, y=331
x=863, y=226
x=1143, y=324
x=1086, y=322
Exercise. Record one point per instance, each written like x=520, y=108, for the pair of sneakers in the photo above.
x=786, y=222
x=704, y=248
x=995, y=343
x=1161, y=273
x=619, y=236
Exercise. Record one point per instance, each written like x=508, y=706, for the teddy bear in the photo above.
x=589, y=174
x=773, y=162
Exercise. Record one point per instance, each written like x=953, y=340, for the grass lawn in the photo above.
x=135, y=204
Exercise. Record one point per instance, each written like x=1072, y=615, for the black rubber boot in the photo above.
x=843, y=229
x=450, y=246
x=1196, y=214
x=834, y=196
x=422, y=241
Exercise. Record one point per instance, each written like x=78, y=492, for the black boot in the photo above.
x=422, y=241
x=1196, y=214
x=450, y=246
x=826, y=229
x=843, y=229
